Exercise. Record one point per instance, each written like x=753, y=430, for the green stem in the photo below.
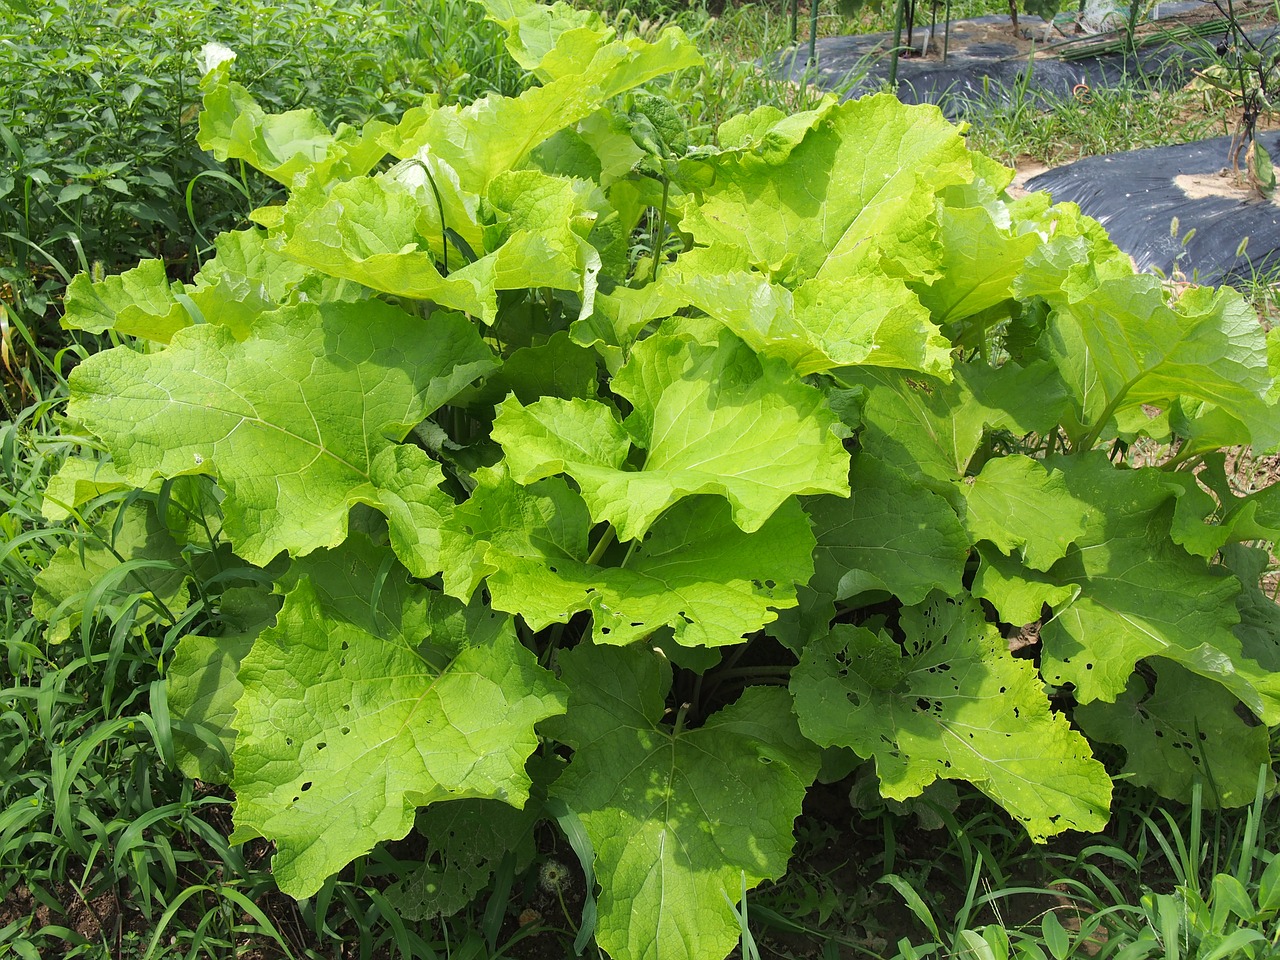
x=1091, y=437
x=754, y=673
x=1181, y=457
x=606, y=539
x=631, y=548
x=662, y=228
x=680, y=715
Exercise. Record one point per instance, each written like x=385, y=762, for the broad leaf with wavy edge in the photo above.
x=893, y=535
x=291, y=422
x=696, y=571
x=870, y=319
x=343, y=733
x=983, y=247
x=1020, y=505
x=860, y=190
x=712, y=419
x=1125, y=592
x=951, y=703
x=930, y=429
x=1122, y=340
x=137, y=303
x=677, y=817
x=284, y=146
x=496, y=134
x=1181, y=730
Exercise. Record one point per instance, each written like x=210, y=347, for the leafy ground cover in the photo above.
x=589, y=431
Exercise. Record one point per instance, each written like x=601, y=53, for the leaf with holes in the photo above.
x=1178, y=729
x=952, y=703
x=343, y=732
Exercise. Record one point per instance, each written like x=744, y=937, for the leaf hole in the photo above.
x=345, y=731
x=320, y=746
x=306, y=786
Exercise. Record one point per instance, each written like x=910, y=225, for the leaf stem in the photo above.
x=754, y=673
x=1091, y=437
x=680, y=715
x=606, y=539
x=661, y=229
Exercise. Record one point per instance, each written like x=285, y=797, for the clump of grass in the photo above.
x=1104, y=120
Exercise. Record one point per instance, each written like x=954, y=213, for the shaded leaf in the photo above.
x=678, y=818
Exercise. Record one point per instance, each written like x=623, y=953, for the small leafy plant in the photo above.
x=506, y=521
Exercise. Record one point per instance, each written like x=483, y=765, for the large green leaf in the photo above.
x=249, y=276
x=534, y=31
x=288, y=421
x=387, y=234
x=711, y=420
x=1178, y=729
x=1020, y=505
x=679, y=819
x=1122, y=341
x=343, y=732
x=696, y=571
x=1205, y=523
x=984, y=246
x=477, y=143
x=951, y=702
x=859, y=190
x=932, y=430
x=1132, y=593
x=283, y=146
x=138, y=303
x=1259, y=626
x=868, y=319
x=892, y=535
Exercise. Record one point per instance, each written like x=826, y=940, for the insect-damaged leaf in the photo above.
x=344, y=732
x=952, y=703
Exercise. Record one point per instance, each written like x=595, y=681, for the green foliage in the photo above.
x=514, y=492
x=99, y=162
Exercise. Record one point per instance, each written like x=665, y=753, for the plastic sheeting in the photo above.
x=1137, y=195
x=981, y=71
